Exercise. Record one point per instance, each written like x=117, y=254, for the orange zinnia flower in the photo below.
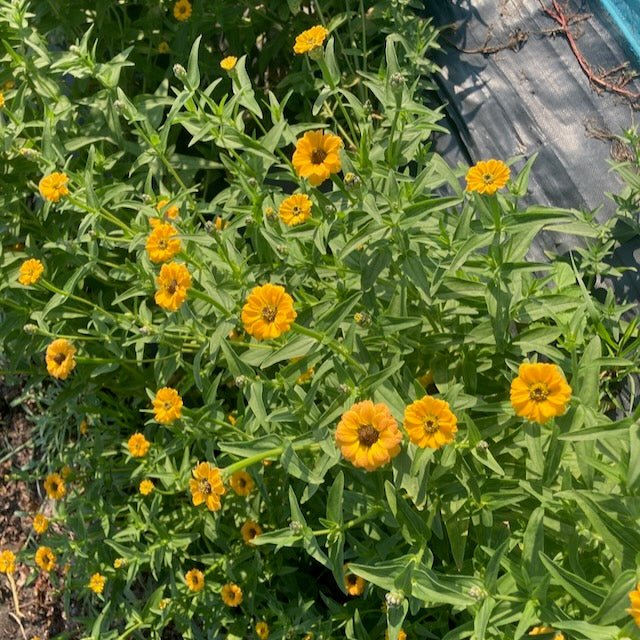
x=194, y=580
x=430, y=423
x=242, y=483
x=146, y=487
x=354, y=584
x=54, y=486
x=60, y=358
x=231, y=595
x=30, y=271
x=487, y=177
x=167, y=405
x=250, y=530
x=536, y=631
x=317, y=156
x=96, y=583
x=54, y=186
x=310, y=39
x=174, y=281
x=228, y=63
x=540, y=392
x=161, y=245
x=138, y=445
x=295, y=209
x=368, y=435
x=45, y=558
x=40, y=523
x=268, y=312
x=634, y=610
x=206, y=486
x=182, y=10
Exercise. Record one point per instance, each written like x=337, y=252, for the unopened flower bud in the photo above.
x=396, y=81
x=30, y=328
x=296, y=527
x=352, y=182
x=248, y=221
x=394, y=598
x=269, y=212
x=241, y=381
x=145, y=330
x=119, y=105
x=209, y=226
x=367, y=107
x=282, y=249
x=483, y=445
x=477, y=593
x=179, y=71
x=362, y=319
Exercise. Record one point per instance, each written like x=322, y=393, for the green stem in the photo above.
x=103, y=213
x=352, y=523
x=269, y=453
x=334, y=345
x=51, y=287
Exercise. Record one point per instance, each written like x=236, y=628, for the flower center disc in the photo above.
x=430, y=424
x=59, y=358
x=162, y=243
x=269, y=313
x=538, y=392
x=204, y=487
x=172, y=286
x=487, y=178
x=368, y=435
x=318, y=156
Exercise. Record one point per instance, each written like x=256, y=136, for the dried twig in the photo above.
x=559, y=14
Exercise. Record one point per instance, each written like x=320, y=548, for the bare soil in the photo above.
x=41, y=606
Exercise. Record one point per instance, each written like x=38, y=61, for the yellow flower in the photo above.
x=634, y=597
x=60, y=358
x=146, y=487
x=295, y=209
x=173, y=212
x=1, y=99
x=163, y=47
x=317, y=156
x=54, y=186
x=194, y=580
x=268, y=312
x=54, y=486
x=7, y=561
x=40, y=523
x=354, y=584
x=426, y=379
x=119, y=562
x=306, y=376
x=167, y=405
x=231, y=595
x=368, y=435
x=206, y=486
x=161, y=245
x=536, y=631
x=540, y=392
x=242, y=483
x=84, y=427
x=45, y=558
x=174, y=281
x=182, y=10
x=164, y=603
x=487, y=177
x=262, y=630
x=30, y=271
x=96, y=583
x=138, y=445
x=250, y=530
x=430, y=423
x=228, y=63
x=401, y=635
x=310, y=39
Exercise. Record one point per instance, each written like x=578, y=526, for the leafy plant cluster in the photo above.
x=404, y=284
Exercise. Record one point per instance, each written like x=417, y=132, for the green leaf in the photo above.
x=193, y=72
x=582, y=590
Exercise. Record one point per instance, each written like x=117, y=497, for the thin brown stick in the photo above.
x=559, y=15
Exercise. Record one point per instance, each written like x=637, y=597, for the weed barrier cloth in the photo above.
x=533, y=97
